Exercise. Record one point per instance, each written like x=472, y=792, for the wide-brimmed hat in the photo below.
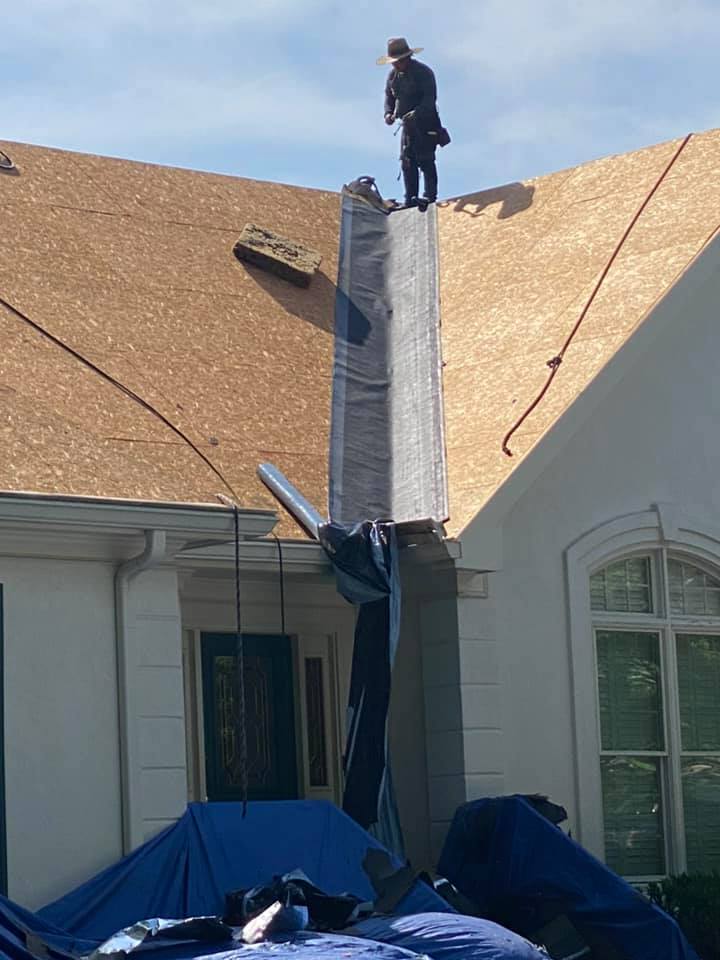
x=398, y=49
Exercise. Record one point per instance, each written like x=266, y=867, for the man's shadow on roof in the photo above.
x=314, y=304
x=512, y=197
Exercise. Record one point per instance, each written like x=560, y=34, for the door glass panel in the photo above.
x=315, y=707
x=269, y=718
x=629, y=690
x=632, y=805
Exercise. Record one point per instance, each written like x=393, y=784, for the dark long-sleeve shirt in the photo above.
x=413, y=89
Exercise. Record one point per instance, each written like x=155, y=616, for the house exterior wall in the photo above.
x=156, y=701
x=316, y=614
x=653, y=440
x=61, y=725
x=462, y=695
x=407, y=732
x=62, y=748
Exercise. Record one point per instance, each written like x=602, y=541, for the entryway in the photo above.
x=269, y=716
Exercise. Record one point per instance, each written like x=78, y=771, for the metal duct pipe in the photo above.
x=291, y=498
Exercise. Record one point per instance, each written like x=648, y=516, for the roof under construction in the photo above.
x=131, y=266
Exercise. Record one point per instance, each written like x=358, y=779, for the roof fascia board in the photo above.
x=482, y=537
x=300, y=556
x=297, y=556
x=193, y=521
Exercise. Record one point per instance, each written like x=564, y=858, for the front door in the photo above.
x=269, y=717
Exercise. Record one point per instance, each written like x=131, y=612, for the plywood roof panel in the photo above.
x=518, y=264
x=132, y=265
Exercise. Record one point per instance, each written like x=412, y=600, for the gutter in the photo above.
x=153, y=554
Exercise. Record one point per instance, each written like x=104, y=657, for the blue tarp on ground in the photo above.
x=449, y=936
x=19, y=927
x=521, y=870
x=187, y=869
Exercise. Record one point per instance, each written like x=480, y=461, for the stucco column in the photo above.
x=463, y=719
x=156, y=703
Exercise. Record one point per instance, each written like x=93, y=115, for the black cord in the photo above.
x=282, y=584
x=118, y=386
x=240, y=719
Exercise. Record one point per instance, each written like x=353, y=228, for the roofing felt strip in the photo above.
x=387, y=449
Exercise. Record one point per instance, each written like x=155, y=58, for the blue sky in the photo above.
x=288, y=89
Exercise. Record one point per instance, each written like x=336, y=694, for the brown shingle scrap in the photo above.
x=285, y=258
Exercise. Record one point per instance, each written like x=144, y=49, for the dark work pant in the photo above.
x=417, y=156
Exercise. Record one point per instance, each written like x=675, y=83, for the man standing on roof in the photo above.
x=410, y=96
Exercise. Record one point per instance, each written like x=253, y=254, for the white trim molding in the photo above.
x=664, y=525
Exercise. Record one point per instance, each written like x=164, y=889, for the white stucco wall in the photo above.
x=158, y=770
x=407, y=727
x=61, y=725
x=653, y=439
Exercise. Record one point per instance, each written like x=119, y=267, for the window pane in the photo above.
x=692, y=591
x=623, y=586
x=701, y=800
x=629, y=690
x=634, y=836
x=699, y=684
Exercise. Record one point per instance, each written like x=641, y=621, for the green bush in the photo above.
x=694, y=901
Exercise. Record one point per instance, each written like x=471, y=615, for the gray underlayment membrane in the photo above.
x=387, y=442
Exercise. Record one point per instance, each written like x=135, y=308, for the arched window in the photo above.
x=656, y=627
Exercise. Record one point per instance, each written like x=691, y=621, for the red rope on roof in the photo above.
x=555, y=362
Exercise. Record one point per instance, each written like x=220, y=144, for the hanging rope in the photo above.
x=118, y=386
x=282, y=584
x=554, y=362
x=240, y=716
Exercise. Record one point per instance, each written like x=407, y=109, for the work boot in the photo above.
x=411, y=201
x=422, y=204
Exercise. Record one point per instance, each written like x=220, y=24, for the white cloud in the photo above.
x=525, y=38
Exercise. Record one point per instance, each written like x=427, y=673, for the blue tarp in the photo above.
x=521, y=870
x=365, y=558
x=450, y=936
x=187, y=869
x=19, y=927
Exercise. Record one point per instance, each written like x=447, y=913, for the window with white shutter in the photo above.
x=657, y=649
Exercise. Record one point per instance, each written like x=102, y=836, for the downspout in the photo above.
x=152, y=555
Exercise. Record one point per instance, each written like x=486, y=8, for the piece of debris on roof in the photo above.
x=5, y=162
x=285, y=258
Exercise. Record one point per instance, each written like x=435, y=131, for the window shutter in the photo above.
x=701, y=804
x=692, y=591
x=623, y=586
x=629, y=690
x=699, y=683
x=634, y=840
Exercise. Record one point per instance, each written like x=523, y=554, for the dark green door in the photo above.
x=270, y=717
